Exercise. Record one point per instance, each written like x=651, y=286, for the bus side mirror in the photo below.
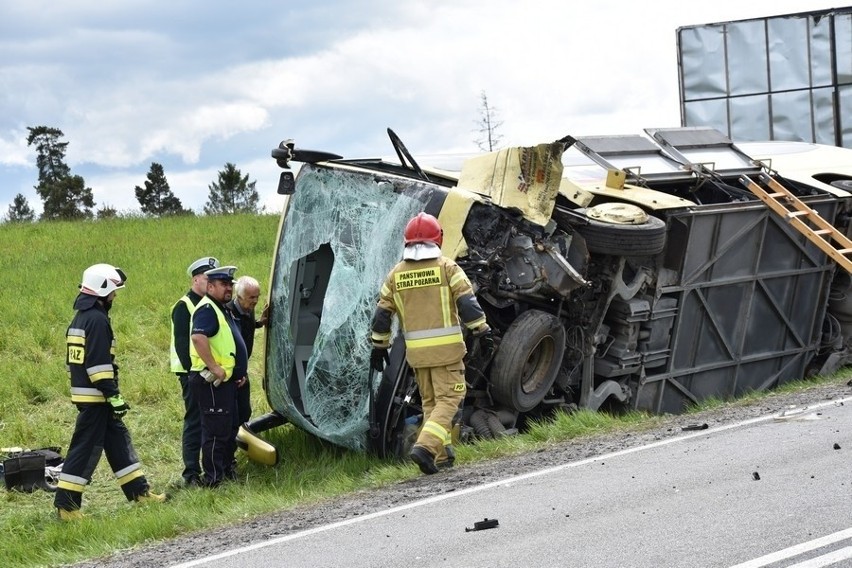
x=286, y=183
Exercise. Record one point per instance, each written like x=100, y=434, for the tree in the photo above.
x=156, y=198
x=233, y=193
x=487, y=125
x=107, y=212
x=20, y=210
x=65, y=196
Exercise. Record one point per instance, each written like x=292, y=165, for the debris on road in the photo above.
x=795, y=413
x=483, y=524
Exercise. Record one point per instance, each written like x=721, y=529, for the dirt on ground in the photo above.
x=290, y=521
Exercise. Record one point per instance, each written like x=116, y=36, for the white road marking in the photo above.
x=826, y=559
x=491, y=485
x=799, y=549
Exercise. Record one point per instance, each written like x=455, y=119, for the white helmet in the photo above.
x=102, y=279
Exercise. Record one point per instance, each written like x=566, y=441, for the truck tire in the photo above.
x=528, y=360
x=646, y=239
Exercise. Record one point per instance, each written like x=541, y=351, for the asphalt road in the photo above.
x=771, y=491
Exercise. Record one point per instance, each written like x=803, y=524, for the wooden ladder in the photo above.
x=804, y=219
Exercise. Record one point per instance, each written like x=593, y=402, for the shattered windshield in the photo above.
x=341, y=235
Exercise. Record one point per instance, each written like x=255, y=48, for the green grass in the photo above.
x=35, y=410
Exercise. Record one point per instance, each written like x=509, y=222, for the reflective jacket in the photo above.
x=223, y=346
x=182, y=311
x=90, y=353
x=432, y=299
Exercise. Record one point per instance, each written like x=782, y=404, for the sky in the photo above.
x=194, y=85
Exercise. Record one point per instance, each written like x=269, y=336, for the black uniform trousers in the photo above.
x=98, y=431
x=244, y=402
x=219, y=426
x=191, y=437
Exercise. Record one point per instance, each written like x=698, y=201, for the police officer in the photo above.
x=181, y=316
x=100, y=406
x=431, y=295
x=218, y=355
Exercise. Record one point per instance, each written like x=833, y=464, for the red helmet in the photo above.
x=424, y=228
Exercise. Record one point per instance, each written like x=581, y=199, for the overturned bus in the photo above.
x=643, y=272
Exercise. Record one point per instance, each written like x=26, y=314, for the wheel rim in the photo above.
x=537, y=365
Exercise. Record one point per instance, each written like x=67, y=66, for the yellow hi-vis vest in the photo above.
x=176, y=365
x=222, y=345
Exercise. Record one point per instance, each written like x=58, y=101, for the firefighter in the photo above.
x=100, y=406
x=181, y=315
x=218, y=355
x=432, y=297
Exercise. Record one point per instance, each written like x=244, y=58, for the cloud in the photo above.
x=409, y=74
x=14, y=150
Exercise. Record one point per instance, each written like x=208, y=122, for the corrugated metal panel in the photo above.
x=750, y=294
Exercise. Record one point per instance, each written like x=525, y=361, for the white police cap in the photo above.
x=225, y=273
x=202, y=265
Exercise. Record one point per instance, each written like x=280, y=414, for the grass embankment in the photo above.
x=44, y=262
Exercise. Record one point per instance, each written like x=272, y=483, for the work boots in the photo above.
x=451, y=458
x=149, y=497
x=75, y=515
x=424, y=460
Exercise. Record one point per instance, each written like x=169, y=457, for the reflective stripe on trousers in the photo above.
x=442, y=391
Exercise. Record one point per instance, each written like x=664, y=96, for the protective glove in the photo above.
x=119, y=407
x=486, y=344
x=378, y=359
